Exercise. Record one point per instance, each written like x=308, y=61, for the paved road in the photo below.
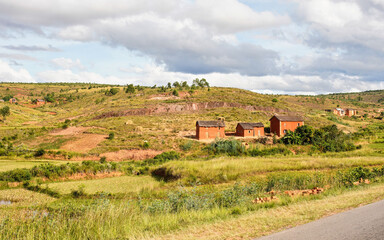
x=362, y=223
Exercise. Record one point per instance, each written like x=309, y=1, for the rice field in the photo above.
x=7, y=164
x=123, y=184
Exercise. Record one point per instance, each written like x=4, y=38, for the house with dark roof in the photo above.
x=210, y=129
x=250, y=129
x=280, y=125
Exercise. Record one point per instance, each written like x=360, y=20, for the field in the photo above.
x=95, y=165
x=6, y=165
x=124, y=184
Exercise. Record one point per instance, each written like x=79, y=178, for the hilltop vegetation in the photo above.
x=117, y=162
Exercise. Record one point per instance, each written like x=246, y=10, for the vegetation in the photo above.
x=190, y=186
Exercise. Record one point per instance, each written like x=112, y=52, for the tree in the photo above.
x=130, y=89
x=5, y=111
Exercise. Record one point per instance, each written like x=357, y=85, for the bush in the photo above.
x=146, y=145
x=111, y=136
x=231, y=147
x=40, y=152
x=103, y=160
x=275, y=100
x=80, y=192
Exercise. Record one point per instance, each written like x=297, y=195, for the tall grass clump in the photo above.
x=231, y=147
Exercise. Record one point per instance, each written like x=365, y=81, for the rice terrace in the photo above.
x=136, y=177
x=191, y=119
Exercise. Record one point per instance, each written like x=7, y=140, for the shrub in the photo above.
x=111, y=136
x=40, y=152
x=145, y=145
x=175, y=93
x=103, y=160
x=275, y=100
x=231, y=147
x=80, y=192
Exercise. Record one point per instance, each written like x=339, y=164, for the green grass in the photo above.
x=225, y=169
x=123, y=184
x=6, y=165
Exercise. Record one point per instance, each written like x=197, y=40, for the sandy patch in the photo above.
x=84, y=143
x=130, y=155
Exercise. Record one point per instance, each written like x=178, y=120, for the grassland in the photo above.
x=207, y=196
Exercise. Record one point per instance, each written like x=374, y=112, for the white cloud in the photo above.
x=67, y=63
x=82, y=77
x=9, y=74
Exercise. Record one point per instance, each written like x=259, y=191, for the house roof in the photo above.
x=339, y=109
x=210, y=123
x=351, y=109
x=250, y=125
x=40, y=100
x=289, y=118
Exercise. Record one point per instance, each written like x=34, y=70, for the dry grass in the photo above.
x=266, y=221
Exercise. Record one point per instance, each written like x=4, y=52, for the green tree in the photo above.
x=130, y=89
x=5, y=111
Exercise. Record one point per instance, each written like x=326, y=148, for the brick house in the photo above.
x=210, y=129
x=350, y=112
x=250, y=129
x=339, y=111
x=13, y=100
x=281, y=124
x=40, y=102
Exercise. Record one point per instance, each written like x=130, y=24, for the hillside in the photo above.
x=149, y=177
x=152, y=119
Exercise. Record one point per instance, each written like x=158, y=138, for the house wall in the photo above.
x=285, y=126
x=275, y=126
x=209, y=132
x=350, y=112
x=278, y=127
x=249, y=132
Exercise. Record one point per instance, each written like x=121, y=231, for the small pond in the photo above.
x=5, y=202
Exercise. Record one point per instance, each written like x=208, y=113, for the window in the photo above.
x=249, y=131
x=285, y=131
x=298, y=124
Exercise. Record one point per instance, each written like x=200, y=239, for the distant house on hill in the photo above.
x=250, y=129
x=339, y=112
x=280, y=125
x=2, y=100
x=210, y=129
x=40, y=102
x=13, y=100
x=350, y=112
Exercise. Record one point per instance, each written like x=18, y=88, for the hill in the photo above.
x=77, y=118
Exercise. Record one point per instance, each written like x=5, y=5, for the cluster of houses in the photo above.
x=38, y=102
x=341, y=112
x=280, y=125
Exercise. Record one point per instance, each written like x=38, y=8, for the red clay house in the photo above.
x=281, y=124
x=250, y=130
x=210, y=129
x=350, y=112
x=339, y=111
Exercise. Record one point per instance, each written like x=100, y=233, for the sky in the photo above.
x=268, y=46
